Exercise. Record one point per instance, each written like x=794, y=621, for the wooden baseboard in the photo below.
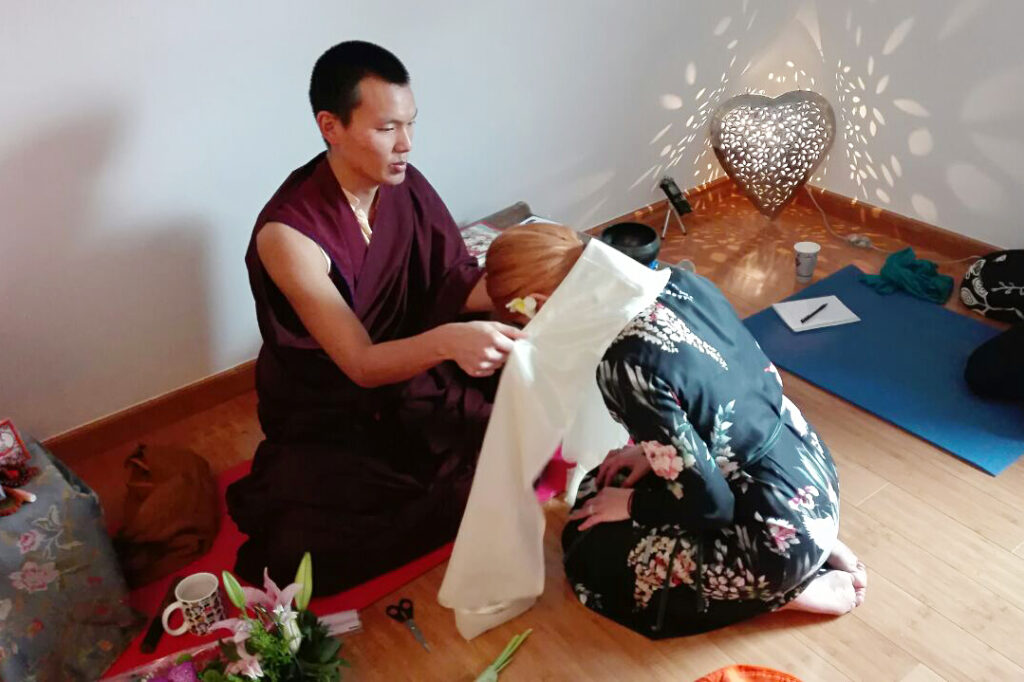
x=130, y=423
x=909, y=230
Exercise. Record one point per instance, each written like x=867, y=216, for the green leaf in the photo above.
x=184, y=658
x=488, y=675
x=228, y=652
x=304, y=576
x=327, y=650
x=233, y=589
x=212, y=676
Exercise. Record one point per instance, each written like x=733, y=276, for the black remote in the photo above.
x=675, y=196
x=156, y=628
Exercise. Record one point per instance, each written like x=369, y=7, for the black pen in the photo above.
x=814, y=312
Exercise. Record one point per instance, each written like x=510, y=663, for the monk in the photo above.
x=374, y=390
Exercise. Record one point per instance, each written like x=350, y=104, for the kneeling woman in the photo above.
x=727, y=506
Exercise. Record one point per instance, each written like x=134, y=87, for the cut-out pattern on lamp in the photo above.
x=769, y=147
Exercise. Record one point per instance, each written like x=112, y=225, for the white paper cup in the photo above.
x=806, y=259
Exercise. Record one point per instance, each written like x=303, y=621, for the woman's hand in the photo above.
x=609, y=505
x=631, y=458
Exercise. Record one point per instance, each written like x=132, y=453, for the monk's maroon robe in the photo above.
x=365, y=479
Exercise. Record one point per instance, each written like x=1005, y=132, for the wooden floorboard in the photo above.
x=943, y=541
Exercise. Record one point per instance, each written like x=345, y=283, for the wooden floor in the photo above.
x=944, y=542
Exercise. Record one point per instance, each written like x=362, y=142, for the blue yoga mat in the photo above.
x=904, y=361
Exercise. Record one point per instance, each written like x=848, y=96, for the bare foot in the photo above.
x=832, y=594
x=844, y=559
x=860, y=582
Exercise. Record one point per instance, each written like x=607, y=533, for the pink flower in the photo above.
x=271, y=596
x=241, y=628
x=665, y=461
x=783, y=533
x=247, y=665
x=804, y=497
x=29, y=541
x=33, y=577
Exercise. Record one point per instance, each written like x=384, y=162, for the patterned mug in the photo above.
x=198, y=597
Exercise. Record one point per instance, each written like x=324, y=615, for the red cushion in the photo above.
x=225, y=547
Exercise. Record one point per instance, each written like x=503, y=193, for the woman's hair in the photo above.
x=529, y=259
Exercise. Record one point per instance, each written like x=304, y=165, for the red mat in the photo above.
x=222, y=557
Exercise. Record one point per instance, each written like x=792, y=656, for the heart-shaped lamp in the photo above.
x=769, y=147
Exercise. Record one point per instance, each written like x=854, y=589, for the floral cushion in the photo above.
x=63, y=600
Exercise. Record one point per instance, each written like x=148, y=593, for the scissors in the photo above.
x=402, y=612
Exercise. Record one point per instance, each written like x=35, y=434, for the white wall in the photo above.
x=941, y=83
x=139, y=141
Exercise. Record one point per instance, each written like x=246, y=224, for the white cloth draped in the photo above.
x=548, y=394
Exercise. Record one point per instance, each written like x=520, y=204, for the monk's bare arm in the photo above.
x=478, y=301
x=296, y=265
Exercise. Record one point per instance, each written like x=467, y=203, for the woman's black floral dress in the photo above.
x=743, y=495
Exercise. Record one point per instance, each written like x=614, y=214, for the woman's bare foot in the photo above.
x=844, y=559
x=832, y=594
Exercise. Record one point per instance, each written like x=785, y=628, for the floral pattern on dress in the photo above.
x=774, y=371
x=780, y=534
x=780, y=518
x=624, y=384
x=588, y=598
x=660, y=325
x=728, y=461
x=587, y=488
x=649, y=560
x=665, y=462
x=673, y=290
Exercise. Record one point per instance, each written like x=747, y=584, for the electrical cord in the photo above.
x=862, y=240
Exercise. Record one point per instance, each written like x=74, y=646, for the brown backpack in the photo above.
x=171, y=513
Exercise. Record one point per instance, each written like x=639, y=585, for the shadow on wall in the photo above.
x=99, y=307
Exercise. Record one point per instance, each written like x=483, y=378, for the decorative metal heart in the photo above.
x=769, y=147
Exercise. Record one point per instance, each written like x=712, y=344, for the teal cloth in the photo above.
x=918, y=277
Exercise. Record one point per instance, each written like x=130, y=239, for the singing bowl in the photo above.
x=638, y=241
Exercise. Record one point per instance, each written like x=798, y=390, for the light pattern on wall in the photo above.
x=769, y=147
x=699, y=91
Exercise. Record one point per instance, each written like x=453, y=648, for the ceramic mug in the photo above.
x=198, y=597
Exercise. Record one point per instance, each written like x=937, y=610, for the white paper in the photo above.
x=834, y=313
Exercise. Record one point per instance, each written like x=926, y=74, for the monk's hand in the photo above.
x=609, y=505
x=480, y=348
x=630, y=459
